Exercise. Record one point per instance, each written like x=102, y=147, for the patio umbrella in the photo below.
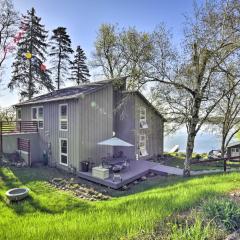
x=115, y=142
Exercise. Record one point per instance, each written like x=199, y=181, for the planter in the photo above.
x=17, y=194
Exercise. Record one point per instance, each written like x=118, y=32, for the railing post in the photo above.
x=20, y=126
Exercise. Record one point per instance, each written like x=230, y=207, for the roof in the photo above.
x=67, y=93
x=147, y=102
x=79, y=91
x=233, y=144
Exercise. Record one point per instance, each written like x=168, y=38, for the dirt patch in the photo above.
x=235, y=195
x=79, y=190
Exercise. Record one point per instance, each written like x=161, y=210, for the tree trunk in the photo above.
x=58, y=74
x=189, y=150
x=192, y=134
x=223, y=146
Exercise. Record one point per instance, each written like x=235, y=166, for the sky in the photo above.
x=83, y=18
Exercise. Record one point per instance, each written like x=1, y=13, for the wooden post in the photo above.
x=225, y=164
x=20, y=126
x=1, y=143
x=29, y=154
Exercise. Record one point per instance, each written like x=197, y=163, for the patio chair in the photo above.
x=117, y=176
x=126, y=164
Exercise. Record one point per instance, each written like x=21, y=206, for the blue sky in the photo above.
x=83, y=18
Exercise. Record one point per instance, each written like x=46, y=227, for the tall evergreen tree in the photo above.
x=60, y=43
x=27, y=73
x=80, y=71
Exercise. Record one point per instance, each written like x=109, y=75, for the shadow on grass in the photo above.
x=46, y=200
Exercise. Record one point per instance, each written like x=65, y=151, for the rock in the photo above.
x=125, y=187
x=234, y=236
x=143, y=178
x=151, y=174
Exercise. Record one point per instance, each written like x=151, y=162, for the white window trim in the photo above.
x=64, y=154
x=143, y=122
x=19, y=109
x=38, y=119
x=59, y=115
x=144, y=149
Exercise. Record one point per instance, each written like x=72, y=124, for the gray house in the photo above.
x=71, y=121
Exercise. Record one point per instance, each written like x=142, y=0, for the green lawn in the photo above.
x=177, y=160
x=53, y=214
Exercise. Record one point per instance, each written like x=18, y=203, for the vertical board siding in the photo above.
x=91, y=120
x=96, y=123
x=124, y=119
x=154, y=132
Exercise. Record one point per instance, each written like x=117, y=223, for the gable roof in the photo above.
x=67, y=93
x=147, y=102
x=79, y=91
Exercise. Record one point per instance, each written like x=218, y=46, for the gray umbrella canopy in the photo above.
x=115, y=142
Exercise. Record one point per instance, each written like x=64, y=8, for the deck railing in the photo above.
x=18, y=127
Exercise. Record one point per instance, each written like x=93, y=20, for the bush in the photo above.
x=224, y=212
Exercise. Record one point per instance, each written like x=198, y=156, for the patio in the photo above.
x=136, y=170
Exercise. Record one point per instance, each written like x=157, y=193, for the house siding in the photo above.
x=154, y=132
x=124, y=122
x=96, y=124
x=92, y=118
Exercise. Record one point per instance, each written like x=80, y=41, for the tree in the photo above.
x=80, y=72
x=7, y=114
x=60, y=51
x=189, y=90
x=226, y=115
x=27, y=73
x=120, y=53
x=8, y=26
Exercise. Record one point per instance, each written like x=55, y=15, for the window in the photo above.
x=63, y=117
x=63, y=146
x=233, y=150
x=19, y=114
x=143, y=145
x=143, y=118
x=38, y=115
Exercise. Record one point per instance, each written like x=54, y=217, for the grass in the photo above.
x=177, y=160
x=53, y=214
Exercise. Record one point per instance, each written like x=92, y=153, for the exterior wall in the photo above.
x=10, y=143
x=154, y=132
x=230, y=153
x=127, y=125
x=92, y=119
x=124, y=122
x=95, y=125
x=89, y=122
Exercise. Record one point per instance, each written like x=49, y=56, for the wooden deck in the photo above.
x=136, y=170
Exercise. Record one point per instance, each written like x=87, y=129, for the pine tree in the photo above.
x=60, y=54
x=27, y=73
x=80, y=72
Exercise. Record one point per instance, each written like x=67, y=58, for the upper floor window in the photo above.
x=19, y=114
x=143, y=117
x=63, y=117
x=38, y=115
x=143, y=145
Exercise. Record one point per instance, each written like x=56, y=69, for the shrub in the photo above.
x=224, y=212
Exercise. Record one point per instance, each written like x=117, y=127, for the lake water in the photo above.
x=204, y=142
